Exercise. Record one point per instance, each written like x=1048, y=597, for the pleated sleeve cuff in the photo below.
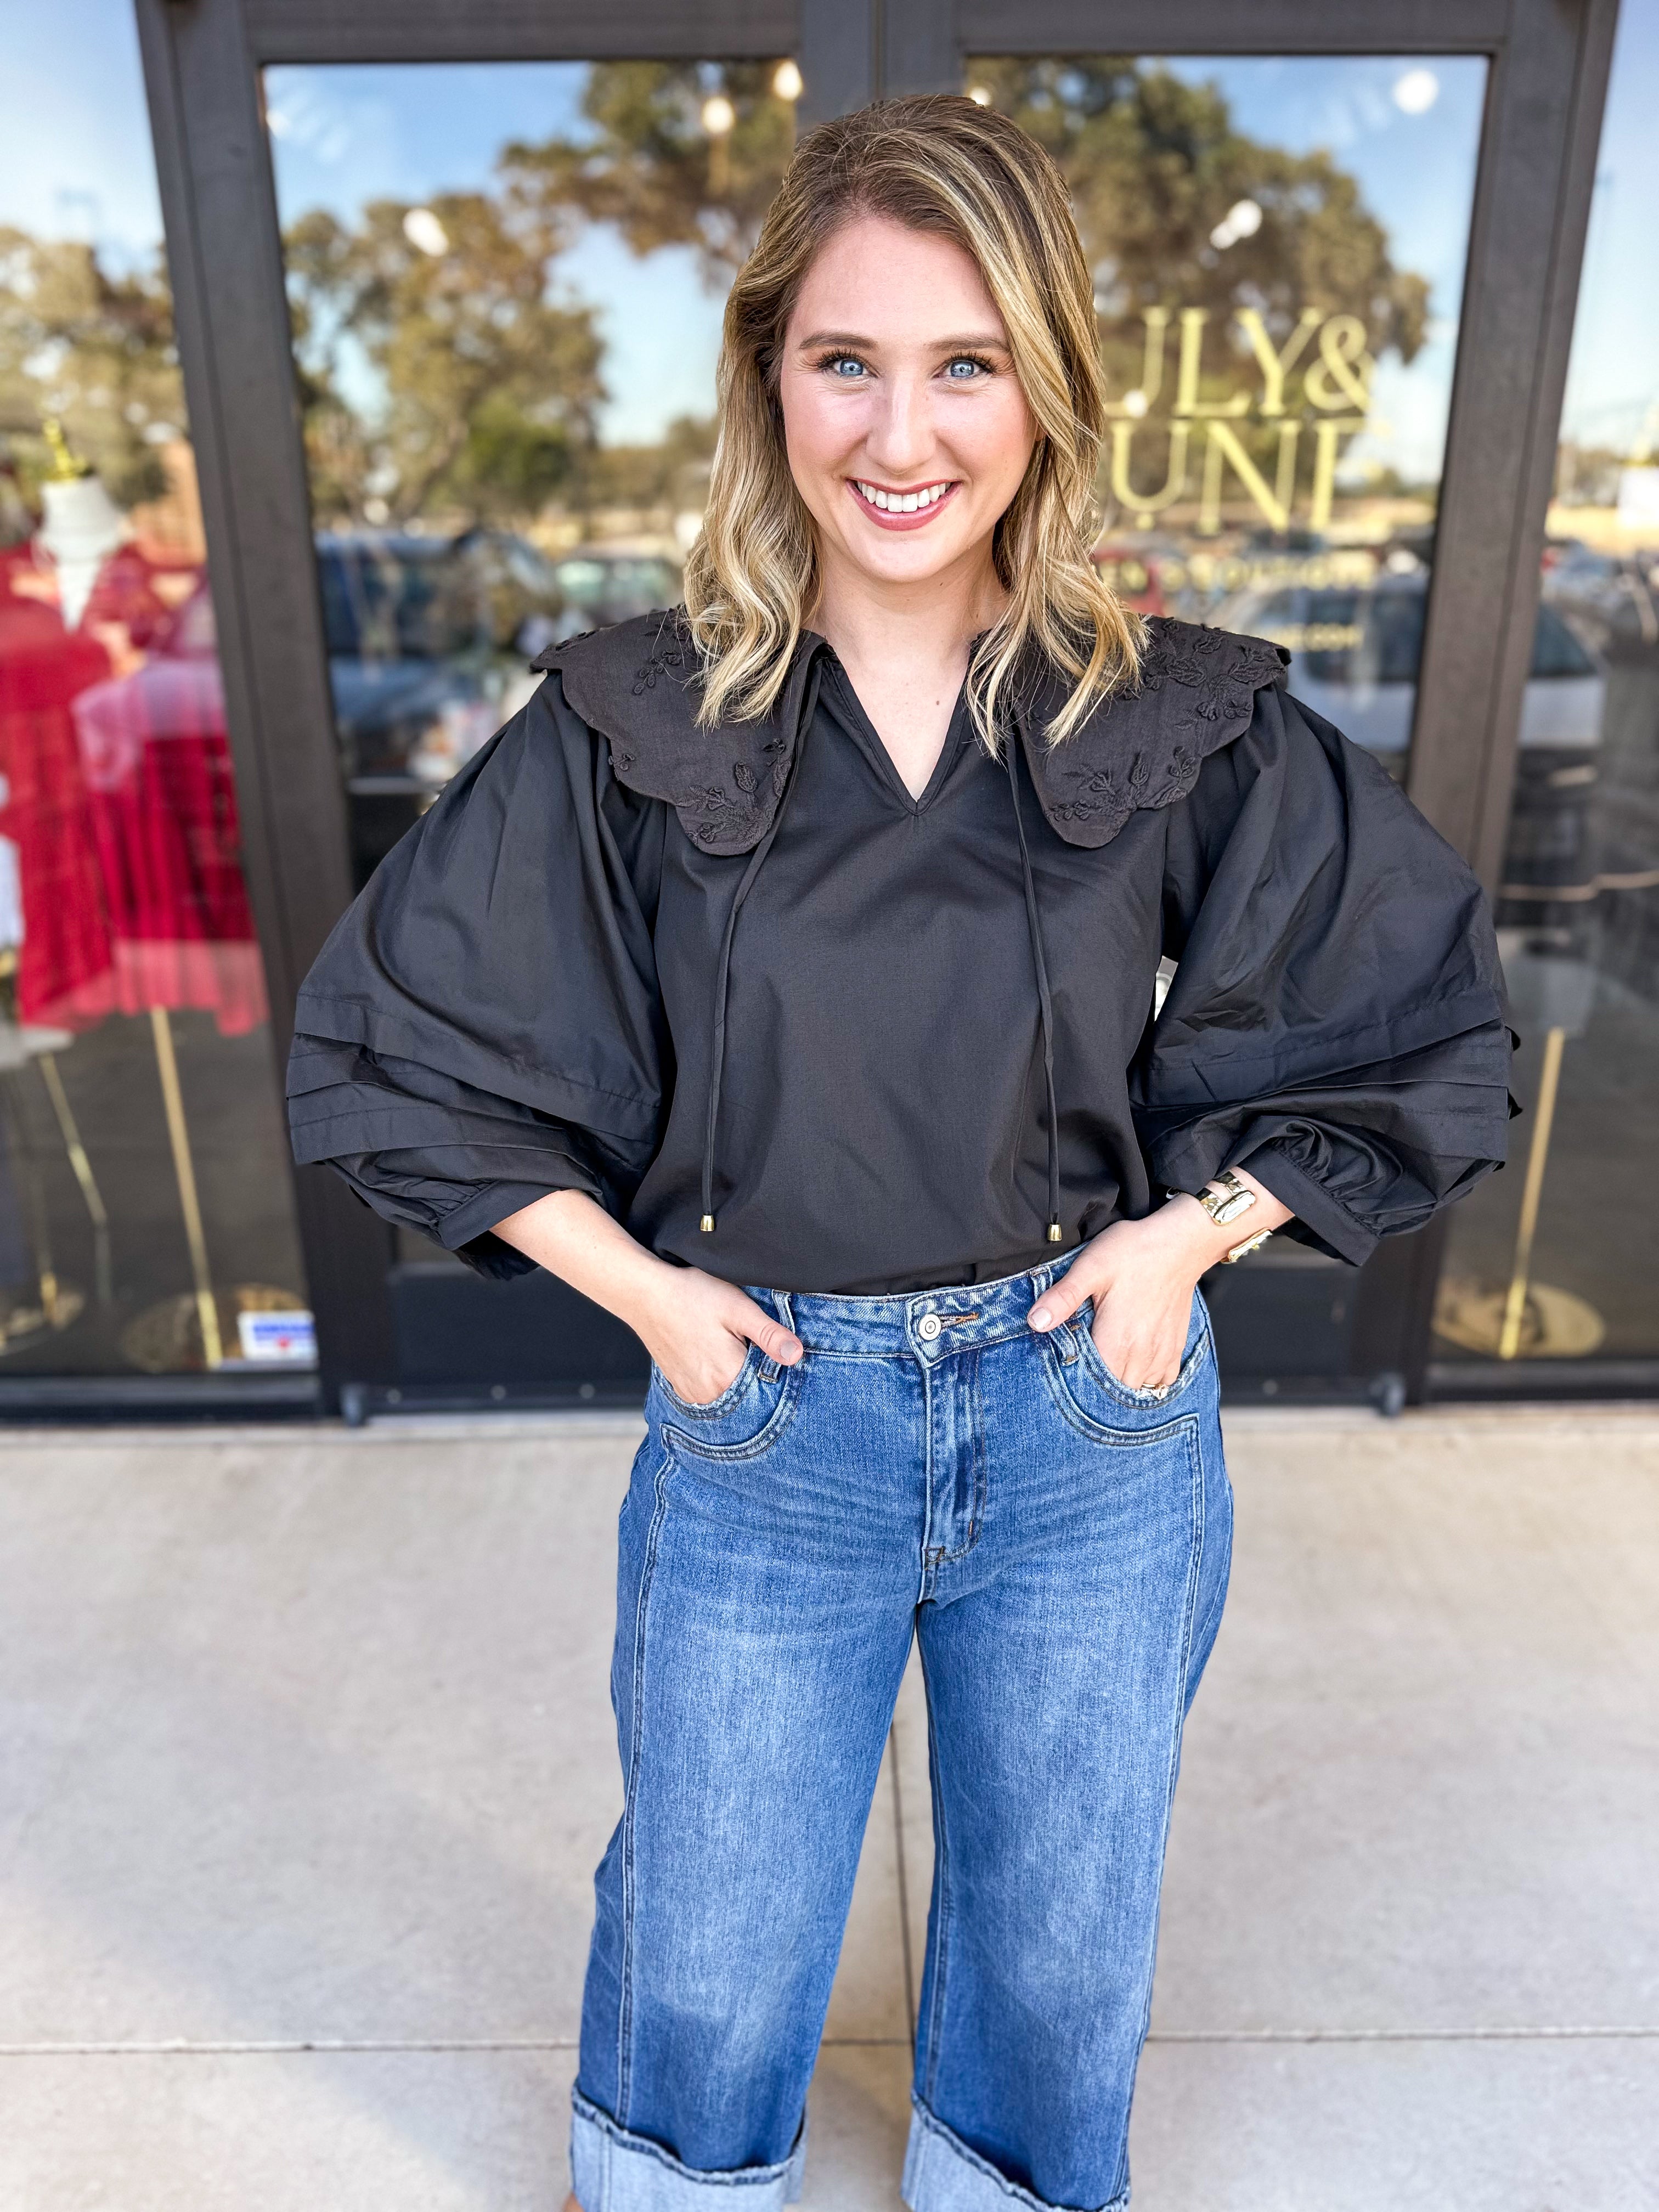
x=1316, y=1209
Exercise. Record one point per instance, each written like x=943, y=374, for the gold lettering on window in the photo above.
x=1318, y=379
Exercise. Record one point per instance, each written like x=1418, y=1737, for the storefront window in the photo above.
x=1278, y=246
x=145, y=1221
x=1558, y=1259
x=506, y=283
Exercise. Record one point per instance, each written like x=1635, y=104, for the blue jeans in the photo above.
x=1059, y=1545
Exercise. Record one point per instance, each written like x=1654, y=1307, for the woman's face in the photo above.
x=907, y=430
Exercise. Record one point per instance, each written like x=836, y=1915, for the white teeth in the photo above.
x=894, y=502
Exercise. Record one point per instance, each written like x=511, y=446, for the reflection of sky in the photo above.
x=1613, y=384
x=75, y=156
x=345, y=134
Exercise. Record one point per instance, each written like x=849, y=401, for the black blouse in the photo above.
x=883, y=1041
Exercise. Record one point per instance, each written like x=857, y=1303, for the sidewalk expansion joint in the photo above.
x=184, y=2046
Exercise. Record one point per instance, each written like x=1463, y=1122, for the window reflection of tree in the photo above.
x=491, y=374
x=1159, y=172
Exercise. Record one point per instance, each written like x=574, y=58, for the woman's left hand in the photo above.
x=1141, y=1276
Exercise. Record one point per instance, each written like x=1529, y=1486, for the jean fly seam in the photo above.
x=970, y=1390
x=625, y=2006
x=925, y=1588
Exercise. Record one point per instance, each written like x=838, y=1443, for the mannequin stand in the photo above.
x=184, y=1170
x=1529, y=1319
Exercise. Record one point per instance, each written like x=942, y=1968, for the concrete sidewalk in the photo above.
x=306, y=1760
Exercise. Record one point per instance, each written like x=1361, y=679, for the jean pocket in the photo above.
x=742, y=1422
x=709, y=1409
x=1104, y=1398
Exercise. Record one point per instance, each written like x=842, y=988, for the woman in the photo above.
x=806, y=941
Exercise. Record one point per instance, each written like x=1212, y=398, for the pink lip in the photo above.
x=919, y=521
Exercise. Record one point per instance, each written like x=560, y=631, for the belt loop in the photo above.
x=770, y=1370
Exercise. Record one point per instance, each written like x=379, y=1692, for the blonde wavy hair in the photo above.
x=936, y=162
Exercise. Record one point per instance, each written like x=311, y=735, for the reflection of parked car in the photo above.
x=1356, y=655
x=427, y=639
x=604, y=586
x=429, y=642
x=1610, y=597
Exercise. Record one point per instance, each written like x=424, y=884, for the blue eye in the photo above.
x=964, y=368
x=845, y=366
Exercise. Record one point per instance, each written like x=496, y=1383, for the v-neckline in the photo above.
x=872, y=743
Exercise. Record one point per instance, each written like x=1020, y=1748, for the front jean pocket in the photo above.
x=744, y=1421
x=710, y=1409
x=1101, y=1399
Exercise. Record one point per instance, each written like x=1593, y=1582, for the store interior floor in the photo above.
x=307, y=1760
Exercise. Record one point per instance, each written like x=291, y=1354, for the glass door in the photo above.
x=1552, y=1272
x=505, y=284
x=1277, y=246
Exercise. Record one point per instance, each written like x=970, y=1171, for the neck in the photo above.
x=905, y=648
x=880, y=630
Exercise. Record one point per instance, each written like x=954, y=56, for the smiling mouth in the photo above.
x=896, y=509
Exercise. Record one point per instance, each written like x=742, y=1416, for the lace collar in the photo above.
x=636, y=683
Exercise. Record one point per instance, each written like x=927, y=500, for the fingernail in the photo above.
x=1041, y=1317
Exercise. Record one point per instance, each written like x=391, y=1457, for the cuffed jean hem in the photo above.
x=941, y=2174
x=612, y=2170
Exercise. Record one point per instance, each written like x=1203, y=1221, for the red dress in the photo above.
x=121, y=805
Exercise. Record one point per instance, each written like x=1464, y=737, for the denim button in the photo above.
x=928, y=1327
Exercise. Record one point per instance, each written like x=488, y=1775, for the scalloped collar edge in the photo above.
x=636, y=683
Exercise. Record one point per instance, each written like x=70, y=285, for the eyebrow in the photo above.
x=973, y=342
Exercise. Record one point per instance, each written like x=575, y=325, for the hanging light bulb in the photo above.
x=425, y=233
x=719, y=116
x=786, y=81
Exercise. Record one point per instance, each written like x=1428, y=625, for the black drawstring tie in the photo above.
x=1045, y=1004
x=717, y=1054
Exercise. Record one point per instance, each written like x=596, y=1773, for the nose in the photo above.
x=899, y=437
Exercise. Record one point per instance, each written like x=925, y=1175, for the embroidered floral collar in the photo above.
x=637, y=683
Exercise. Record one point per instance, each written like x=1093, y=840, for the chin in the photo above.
x=908, y=560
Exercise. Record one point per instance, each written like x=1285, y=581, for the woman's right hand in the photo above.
x=697, y=1328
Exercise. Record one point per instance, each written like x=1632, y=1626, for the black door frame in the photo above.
x=1549, y=63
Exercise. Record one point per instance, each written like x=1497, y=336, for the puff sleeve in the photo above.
x=1336, y=1022
x=484, y=1023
